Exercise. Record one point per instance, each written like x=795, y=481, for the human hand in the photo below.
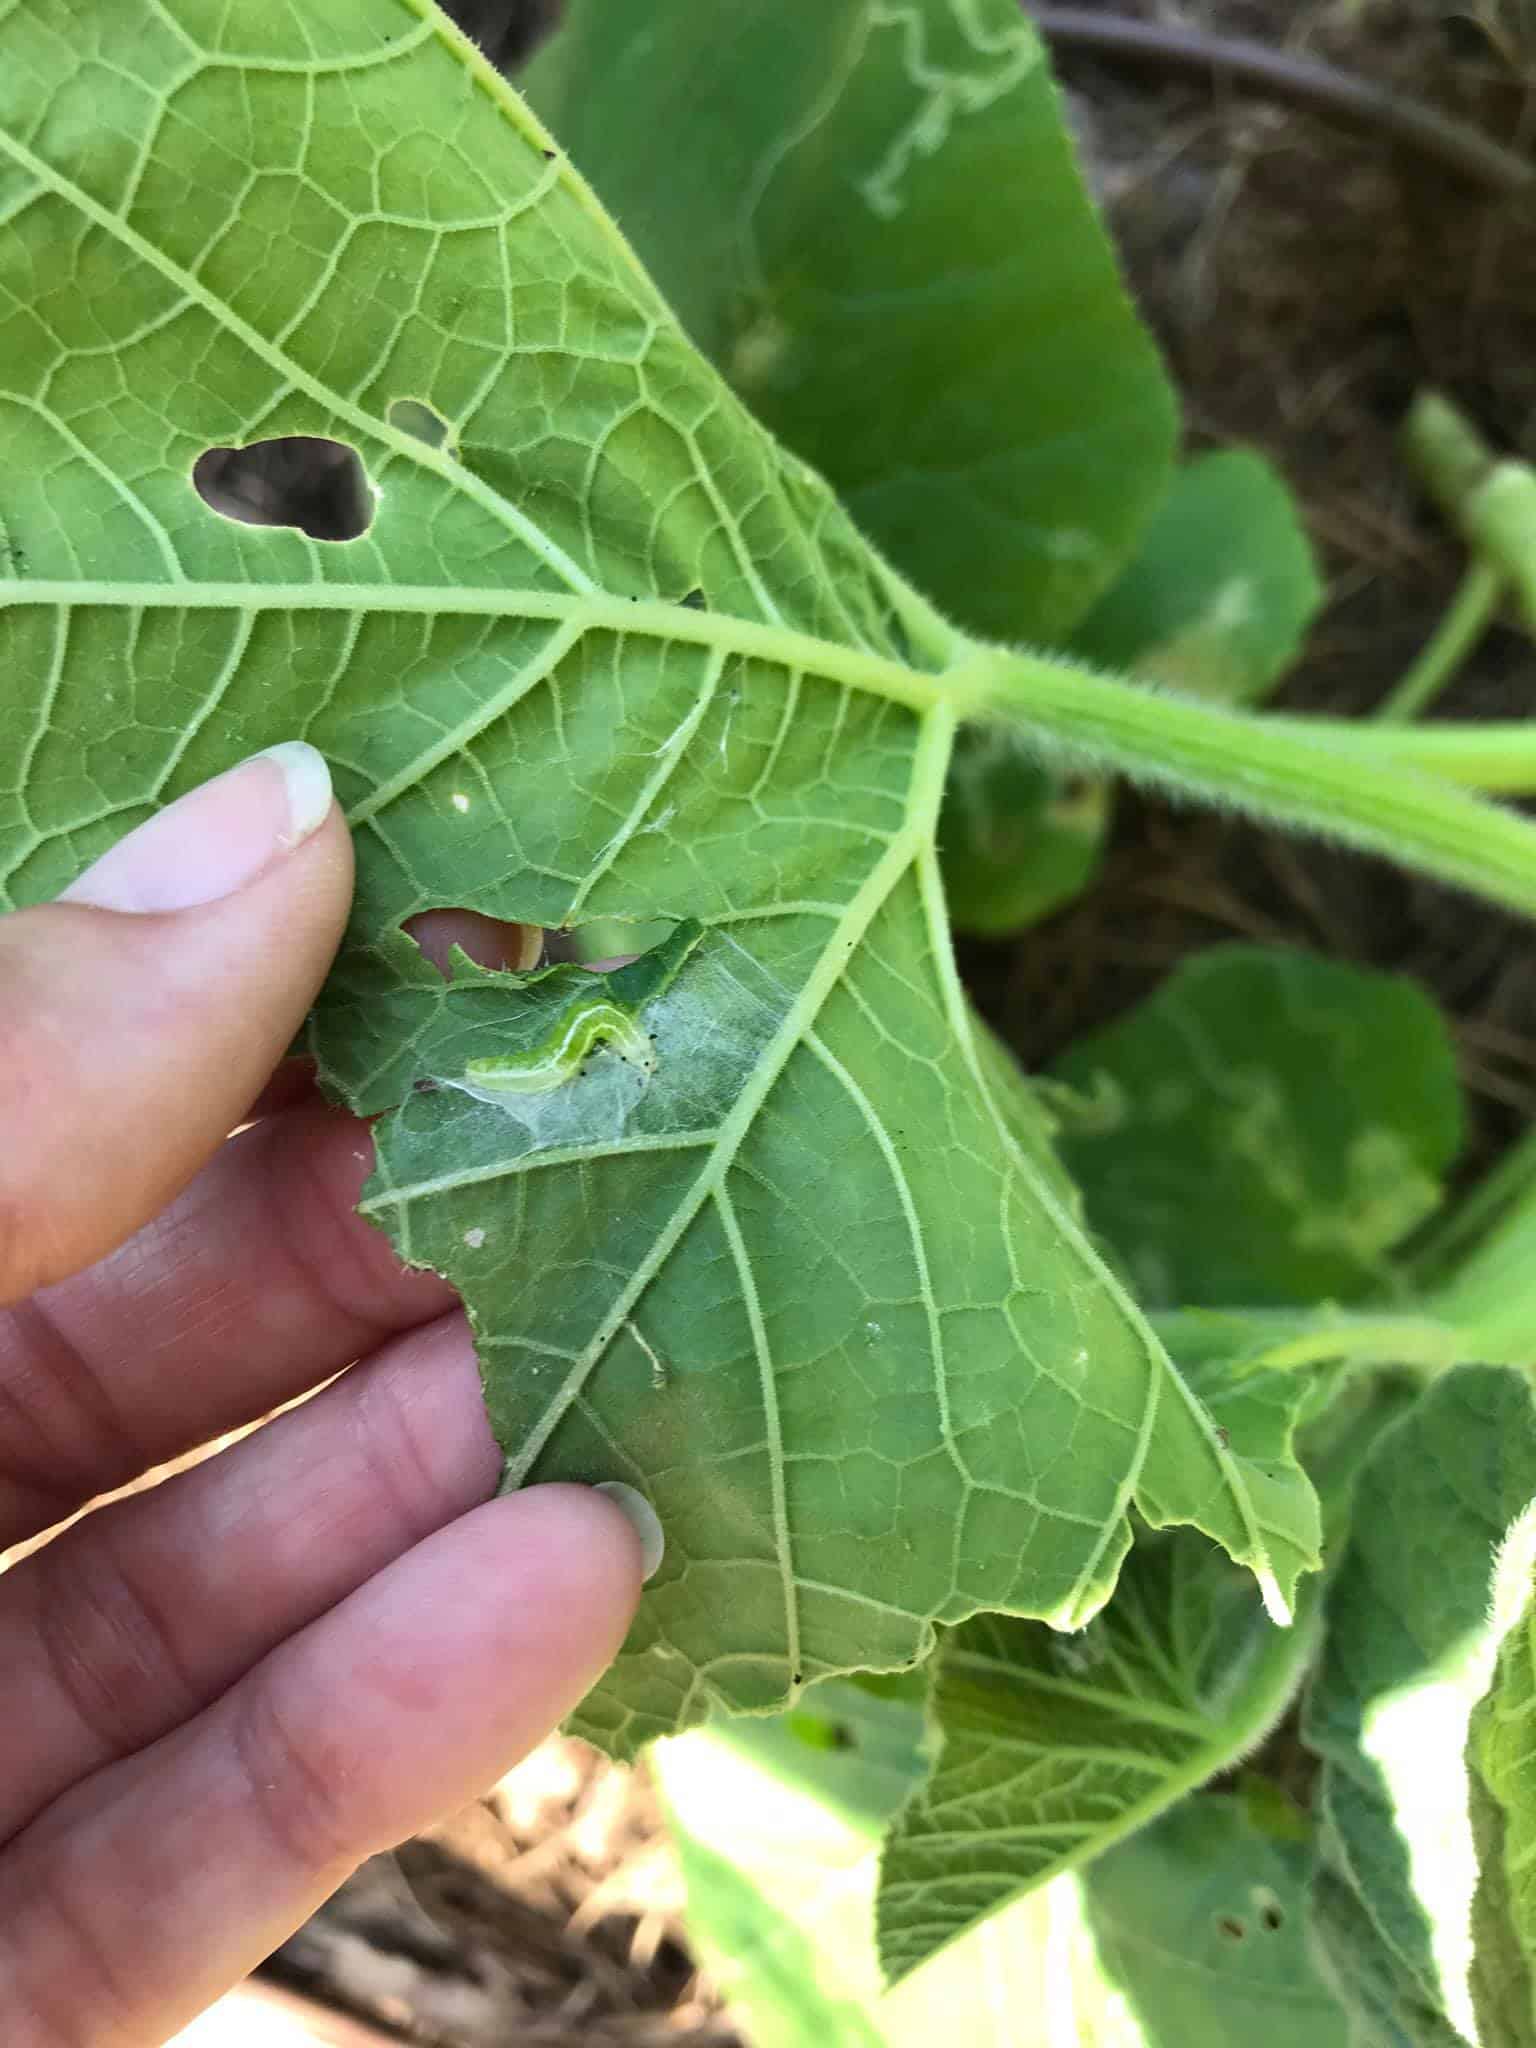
x=219, y=1695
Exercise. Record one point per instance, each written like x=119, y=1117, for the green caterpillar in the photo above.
x=604, y=1010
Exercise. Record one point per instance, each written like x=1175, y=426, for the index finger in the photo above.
x=256, y=1284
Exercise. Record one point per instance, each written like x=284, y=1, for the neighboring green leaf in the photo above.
x=1263, y=1129
x=1501, y=1765
x=1016, y=840
x=1219, y=595
x=867, y=212
x=1201, y=1921
x=779, y=1841
x=1408, y=1650
x=769, y=1968
x=777, y=1838
x=604, y=652
x=1055, y=1747
x=858, y=1746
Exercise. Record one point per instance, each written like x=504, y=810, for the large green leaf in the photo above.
x=605, y=652
x=1201, y=1921
x=1263, y=1129
x=1018, y=840
x=1055, y=1747
x=1410, y=1642
x=868, y=214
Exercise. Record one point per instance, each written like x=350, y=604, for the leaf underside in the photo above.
x=1219, y=596
x=1264, y=1129
x=1056, y=1747
x=1201, y=1922
x=808, y=1289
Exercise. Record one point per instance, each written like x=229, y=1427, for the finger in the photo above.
x=141, y=1013
x=144, y=1892
x=257, y=1283
x=290, y=1084
x=125, y=1626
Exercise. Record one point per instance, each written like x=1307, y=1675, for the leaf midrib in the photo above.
x=871, y=674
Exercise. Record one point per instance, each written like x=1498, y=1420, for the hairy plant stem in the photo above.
x=1511, y=1181
x=1492, y=1291
x=1296, y=774
x=1497, y=757
x=1469, y=617
x=1282, y=1340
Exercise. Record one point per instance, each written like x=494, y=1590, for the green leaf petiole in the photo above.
x=1333, y=780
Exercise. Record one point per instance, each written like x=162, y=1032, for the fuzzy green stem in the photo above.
x=1283, y=1340
x=1286, y=772
x=1512, y=1180
x=1492, y=1295
x=1498, y=757
x=1469, y=617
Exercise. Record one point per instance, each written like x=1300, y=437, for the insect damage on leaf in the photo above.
x=601, y=1014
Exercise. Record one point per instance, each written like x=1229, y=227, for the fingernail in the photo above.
x=643, y=1519
x=216, y=838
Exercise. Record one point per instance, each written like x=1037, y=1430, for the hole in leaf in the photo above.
x=414, y=416
x=299, y=480
x=607, y=940
x=1234, y=1930
x=1270, y=1911
x=606, y=943
x=485, y=939
x=508, y=35
x=818, y=1731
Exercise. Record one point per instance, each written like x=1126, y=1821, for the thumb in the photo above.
x=142, y=1012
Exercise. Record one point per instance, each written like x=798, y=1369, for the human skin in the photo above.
x=218, y=1695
